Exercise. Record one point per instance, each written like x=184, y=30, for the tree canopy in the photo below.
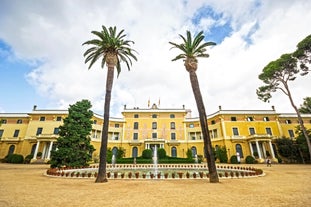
x=110, y=43
x=305, y=107
x=73, y=146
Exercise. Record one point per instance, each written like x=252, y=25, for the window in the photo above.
x=154, y=125
x=154, y=135
x=174, y=152
x=215, y=134
x=1, y=132
x=172, y=116
x=136, y=116
x=42, y=118
x=94, y=121
x=59, y=118
x=213, y=122
x=11, y=149
x=56, y=130
x=173, y=136
x=4, y=121
x=268, y=131
x=172, y=125
x=135, y=136
x=233, y=118
x=19, y=121
x=193, y=137
x=39, y=131
x=291, y=133
x=251, y=130
x=116, y=125
x=194, y=151
x=154, y=116
x=235, y=131
x=239, y=150
x=288, y=121
x=266, y=118
x=134, y=152
x=250, y=118
x=115, y=151
x=191, y=125
x=135, y=125
x=116, y=137
x=16, y=132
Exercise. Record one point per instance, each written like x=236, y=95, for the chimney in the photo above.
x=273, y=108
x=34, y=107
x=219, y=107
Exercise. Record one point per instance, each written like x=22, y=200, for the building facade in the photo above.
x=246, y=132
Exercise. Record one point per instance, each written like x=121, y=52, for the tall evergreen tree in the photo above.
x=73, y=146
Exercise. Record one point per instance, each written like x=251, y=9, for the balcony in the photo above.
x=135, y=142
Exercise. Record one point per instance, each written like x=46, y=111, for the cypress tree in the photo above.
x=73, y=147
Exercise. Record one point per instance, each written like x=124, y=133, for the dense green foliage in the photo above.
x=73, y=146
x=147, y=154
x=28, y=158
x=305, y=107
x=14, y=158
x=234, y=159
x=221, y=154
x=161, y=153
x=302, y=144
x=189, y=154
x=250, y=160
x=287, y=148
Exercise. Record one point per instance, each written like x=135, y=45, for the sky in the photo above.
x=42, y=62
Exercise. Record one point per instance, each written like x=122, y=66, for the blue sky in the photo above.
x=42, y=63
x=18, y=95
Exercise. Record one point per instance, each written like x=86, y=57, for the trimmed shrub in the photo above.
x=28, y=159
x=234, y=159
x=147, y=154
x=161, y=153
x=17, y=159
x=250, y=159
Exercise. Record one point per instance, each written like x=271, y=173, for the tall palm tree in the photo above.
x=112, y=49
x=191, y=50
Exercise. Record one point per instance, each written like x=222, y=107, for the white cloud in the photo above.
x=53, y=32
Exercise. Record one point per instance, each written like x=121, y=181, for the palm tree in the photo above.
x=111, y=48
x=191, y=50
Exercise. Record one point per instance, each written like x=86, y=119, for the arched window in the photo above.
x=115, y=151
x=11, y=149
x=134, y=152
x=33, y=149
x=174, y=152
x=238, y=149
x=194, y=151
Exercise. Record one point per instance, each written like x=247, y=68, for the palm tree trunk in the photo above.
x=101, y=177
x=208, y=152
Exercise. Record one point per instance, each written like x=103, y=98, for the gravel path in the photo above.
x=283, y=185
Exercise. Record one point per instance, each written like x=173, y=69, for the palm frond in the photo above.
x=110, y=41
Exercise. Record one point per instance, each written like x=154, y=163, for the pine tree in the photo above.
x=73, y=148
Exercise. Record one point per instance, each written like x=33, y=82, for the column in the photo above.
x=44, y=151
x=251, y=148
x=264, y=150
x=50, y=149
x=271, y=150
x=36, y=151
x=258, y=150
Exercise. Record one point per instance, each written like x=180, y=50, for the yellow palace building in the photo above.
x=246, y=132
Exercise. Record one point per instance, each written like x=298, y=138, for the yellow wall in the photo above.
x=121, y=130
